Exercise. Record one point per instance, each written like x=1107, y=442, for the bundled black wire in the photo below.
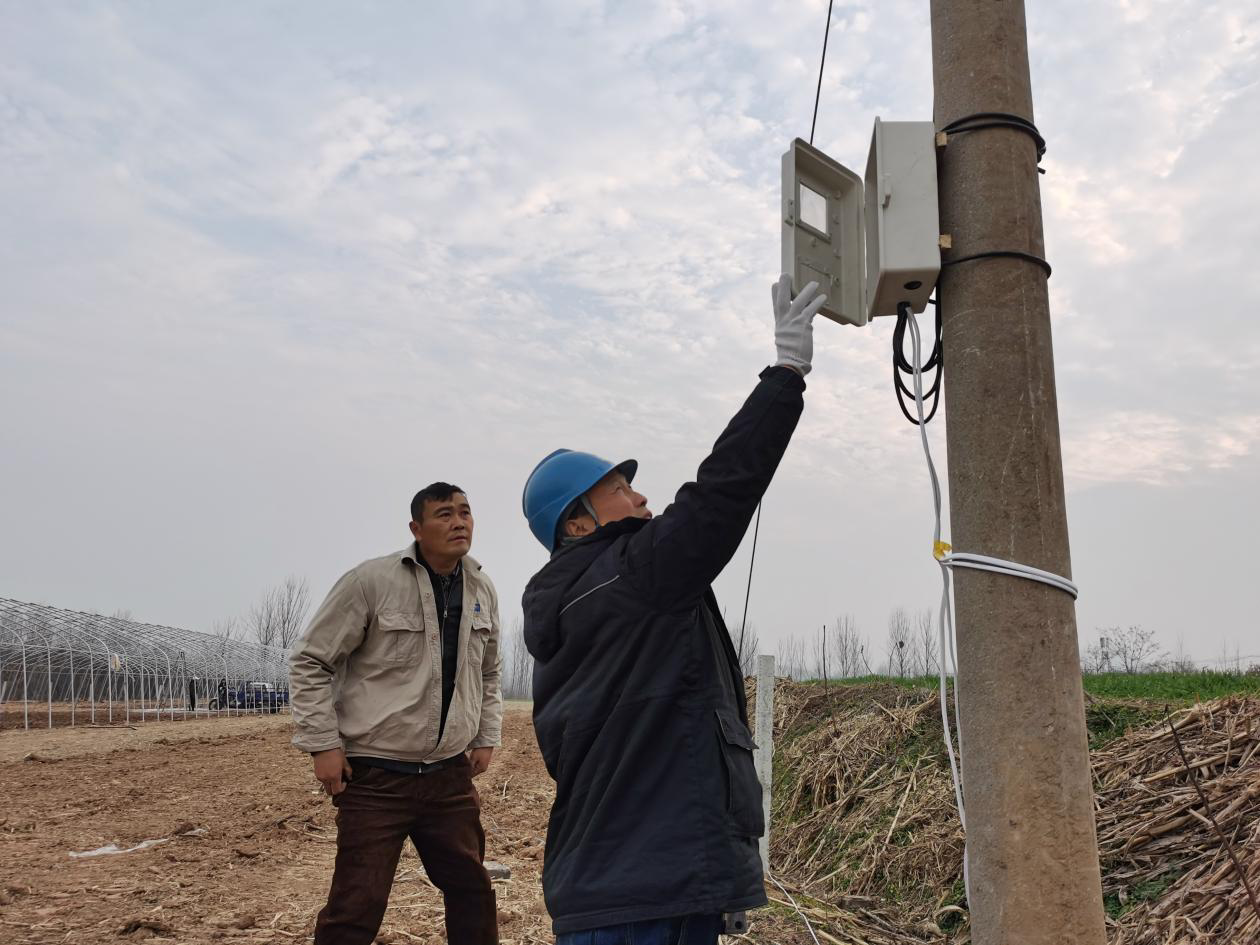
x=902, y=366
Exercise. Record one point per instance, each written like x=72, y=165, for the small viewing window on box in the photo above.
x=813, y=210
x=822, y=230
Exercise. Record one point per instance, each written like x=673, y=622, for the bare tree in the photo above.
x=1180, y=661
x=1092, y=659
x=927, y=660
x=746, y=650
x=226, y=629
x=899, y=642
x=846, y=647
x=518, y=663
x=820, y=654
x=791, y=658
x=280, y=613
x=1228, y=663
x=1134, y=649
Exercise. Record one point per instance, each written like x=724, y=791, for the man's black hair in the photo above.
x=437, y=492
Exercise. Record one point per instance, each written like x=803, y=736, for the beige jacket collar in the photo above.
x=410, y=553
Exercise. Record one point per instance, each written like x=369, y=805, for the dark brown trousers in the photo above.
x=376, y=813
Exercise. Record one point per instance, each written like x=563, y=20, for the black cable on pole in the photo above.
x=982, y=120
x=818, y=92
x=1033, y=258
x=935, y=361
x=997, y=120
x=748, y=590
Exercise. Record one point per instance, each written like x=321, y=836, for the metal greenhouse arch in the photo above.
x=63, y=667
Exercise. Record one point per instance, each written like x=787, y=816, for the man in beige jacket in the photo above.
x=395, y=693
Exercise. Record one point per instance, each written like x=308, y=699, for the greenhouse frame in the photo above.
x=64, y=667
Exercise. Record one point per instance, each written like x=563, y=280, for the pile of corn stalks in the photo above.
x=865, y=822
x=1162, y=859
x=865, y=827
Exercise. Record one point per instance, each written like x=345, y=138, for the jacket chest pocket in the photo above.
x=743, y=790
x=402, y=636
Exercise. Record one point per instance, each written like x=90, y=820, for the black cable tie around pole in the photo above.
x=982, y=120
x=1038, y=261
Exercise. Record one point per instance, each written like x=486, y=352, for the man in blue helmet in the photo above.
x=639, y=700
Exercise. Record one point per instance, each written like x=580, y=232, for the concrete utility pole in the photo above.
x=1032, y=845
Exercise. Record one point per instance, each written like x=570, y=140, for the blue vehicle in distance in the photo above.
x=250, y=697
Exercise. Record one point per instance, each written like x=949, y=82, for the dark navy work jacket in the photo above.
x=639, y=701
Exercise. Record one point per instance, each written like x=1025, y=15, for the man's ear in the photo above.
x=415, y=529
x=579, y=527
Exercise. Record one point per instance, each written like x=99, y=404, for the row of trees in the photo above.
x=276, y=619
x=835, y=651
x=838, y=650
x=1134, y=650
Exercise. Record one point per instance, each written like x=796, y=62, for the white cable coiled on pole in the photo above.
x=962, y=559
x=948, y=558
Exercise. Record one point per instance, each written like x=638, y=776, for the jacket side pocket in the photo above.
x=743, y=790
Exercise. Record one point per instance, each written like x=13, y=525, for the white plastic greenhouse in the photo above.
x=62, y=667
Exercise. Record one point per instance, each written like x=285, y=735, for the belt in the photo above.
x=407, y=767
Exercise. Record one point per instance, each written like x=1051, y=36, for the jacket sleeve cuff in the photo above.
x=322, y=741
x=784, y=376
x=488, y=740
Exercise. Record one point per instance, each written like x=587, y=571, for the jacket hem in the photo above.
x=583, y=921
x=377, y=751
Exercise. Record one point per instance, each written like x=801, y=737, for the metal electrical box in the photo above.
x=903, y=252
x=822, y=231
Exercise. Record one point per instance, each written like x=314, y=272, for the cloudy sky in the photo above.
x=266, y=269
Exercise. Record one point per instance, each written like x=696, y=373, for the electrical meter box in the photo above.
x=903, y=251
x=822, y=231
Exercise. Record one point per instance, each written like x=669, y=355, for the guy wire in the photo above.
x=818, y=91
x=748, y=591
x=757, y=528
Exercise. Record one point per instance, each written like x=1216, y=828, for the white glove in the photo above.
x=794, y=323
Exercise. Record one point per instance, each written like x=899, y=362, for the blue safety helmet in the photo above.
x=557, y=482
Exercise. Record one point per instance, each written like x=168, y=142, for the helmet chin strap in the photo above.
x=590, y=508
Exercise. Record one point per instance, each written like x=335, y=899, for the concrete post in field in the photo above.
x=1032, y=848
x=764, y=737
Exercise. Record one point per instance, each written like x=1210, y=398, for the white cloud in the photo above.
x=1156, y=449
x=276, y=261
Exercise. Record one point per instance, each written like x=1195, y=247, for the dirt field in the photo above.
x=62, y=714
x=251, y=838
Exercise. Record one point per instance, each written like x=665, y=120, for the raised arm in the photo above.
x=678, y=554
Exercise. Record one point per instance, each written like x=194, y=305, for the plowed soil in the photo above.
x=247, y=838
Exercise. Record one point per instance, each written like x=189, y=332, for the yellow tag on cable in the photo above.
x=940, y=549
